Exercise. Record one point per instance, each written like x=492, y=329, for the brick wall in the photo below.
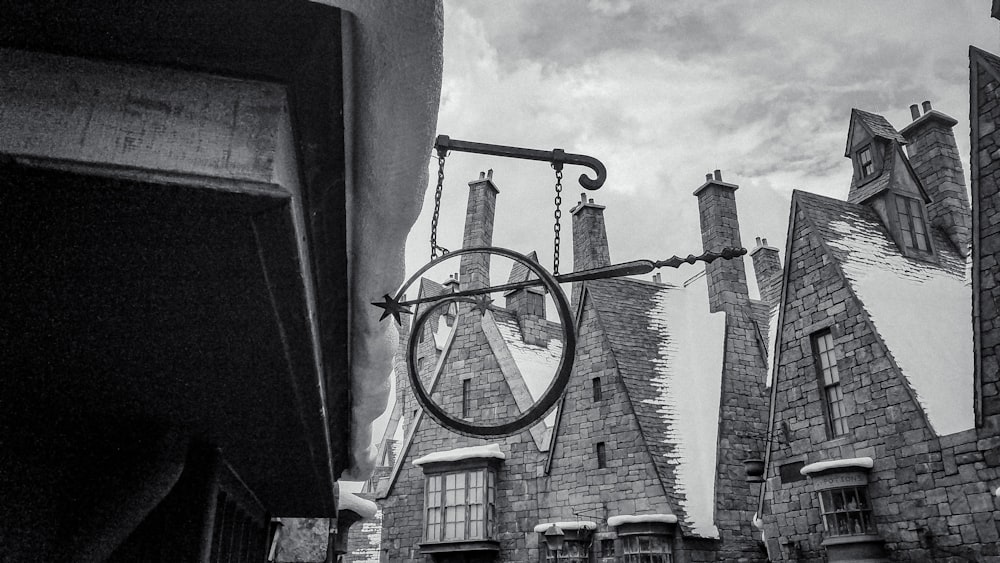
x=919, y=482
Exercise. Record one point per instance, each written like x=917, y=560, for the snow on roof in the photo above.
x=537, y=364
x=854, y=462
x=669, y=351
x=458, y=454
x=443, y=332
x=580, y=525
x=772, y=342
x=922, y=310
x=360, y=506
x=616, y=521
x=688, y=384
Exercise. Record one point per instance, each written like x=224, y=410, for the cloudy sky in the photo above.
x=665, y=92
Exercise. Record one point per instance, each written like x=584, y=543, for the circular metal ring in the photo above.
x=555, y=389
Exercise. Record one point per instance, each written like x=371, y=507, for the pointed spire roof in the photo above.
x=519, y=272
x=878, y=126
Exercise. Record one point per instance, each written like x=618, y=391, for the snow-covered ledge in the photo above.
x=459, y=454
x=360, y=506
x=564, y=526
x=616, y=521
x=397, y=60
x=854, y=463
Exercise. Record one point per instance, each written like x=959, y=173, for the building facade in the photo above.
x=642, y=459
x=885, y=432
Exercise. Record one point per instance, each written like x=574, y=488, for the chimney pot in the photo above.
x=583, y=198
x=489, y=174
x=482, y=174
x=708, y=176
x=758, y=241
x=656, y=277
x=765, y=242
x=718, y=175
x=591, y=200
x=927, y=106
x=914, y=111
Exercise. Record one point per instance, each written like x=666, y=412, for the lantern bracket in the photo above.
x=556, y=157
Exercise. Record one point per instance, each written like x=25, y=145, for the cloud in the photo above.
x=664, y=92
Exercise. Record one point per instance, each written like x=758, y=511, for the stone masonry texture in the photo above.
x=934, y=156
x=633, y=481
x=922, y=486
x=985, y=110
x=720, y=228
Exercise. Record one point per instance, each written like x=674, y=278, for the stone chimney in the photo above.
x=767, y=267
x=590, y=240
x=474, y=269
x=934, y=156
x=527, y=304
x=529, y=301
x=720, y=228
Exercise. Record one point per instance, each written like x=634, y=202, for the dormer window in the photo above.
x=912, y=225
x=866, y=163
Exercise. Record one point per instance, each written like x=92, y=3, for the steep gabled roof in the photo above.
x=669, y=351
x=519, y=272
x=877, y=125
x=886, y=179
x=922, y=310
x=535, y=365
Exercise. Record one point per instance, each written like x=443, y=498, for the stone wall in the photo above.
x=919, y=483
x=986, y=187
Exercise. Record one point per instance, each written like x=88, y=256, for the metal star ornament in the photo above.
x=483, y=303
x=392, y=306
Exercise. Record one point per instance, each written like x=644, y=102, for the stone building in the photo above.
x=885, y=412
x=642, y=459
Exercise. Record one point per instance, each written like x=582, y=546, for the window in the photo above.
x=466, y=397
x=596, y=382
x=459, y=506
x=602, y=456
x=846, y=511
x=829, y=379
x=646, y=549
x=911, y=224
x=573, y=551
x=865, y=163
x=607, y=548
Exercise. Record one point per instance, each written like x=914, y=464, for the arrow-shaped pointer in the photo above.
x=633, y=268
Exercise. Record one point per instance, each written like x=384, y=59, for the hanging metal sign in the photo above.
x=396, y=305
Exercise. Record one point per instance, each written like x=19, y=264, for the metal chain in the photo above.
x=437, y=208
x=558, y=215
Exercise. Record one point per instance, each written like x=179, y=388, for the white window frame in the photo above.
x=460, y=505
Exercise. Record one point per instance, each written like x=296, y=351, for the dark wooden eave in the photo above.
x=180, y=305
